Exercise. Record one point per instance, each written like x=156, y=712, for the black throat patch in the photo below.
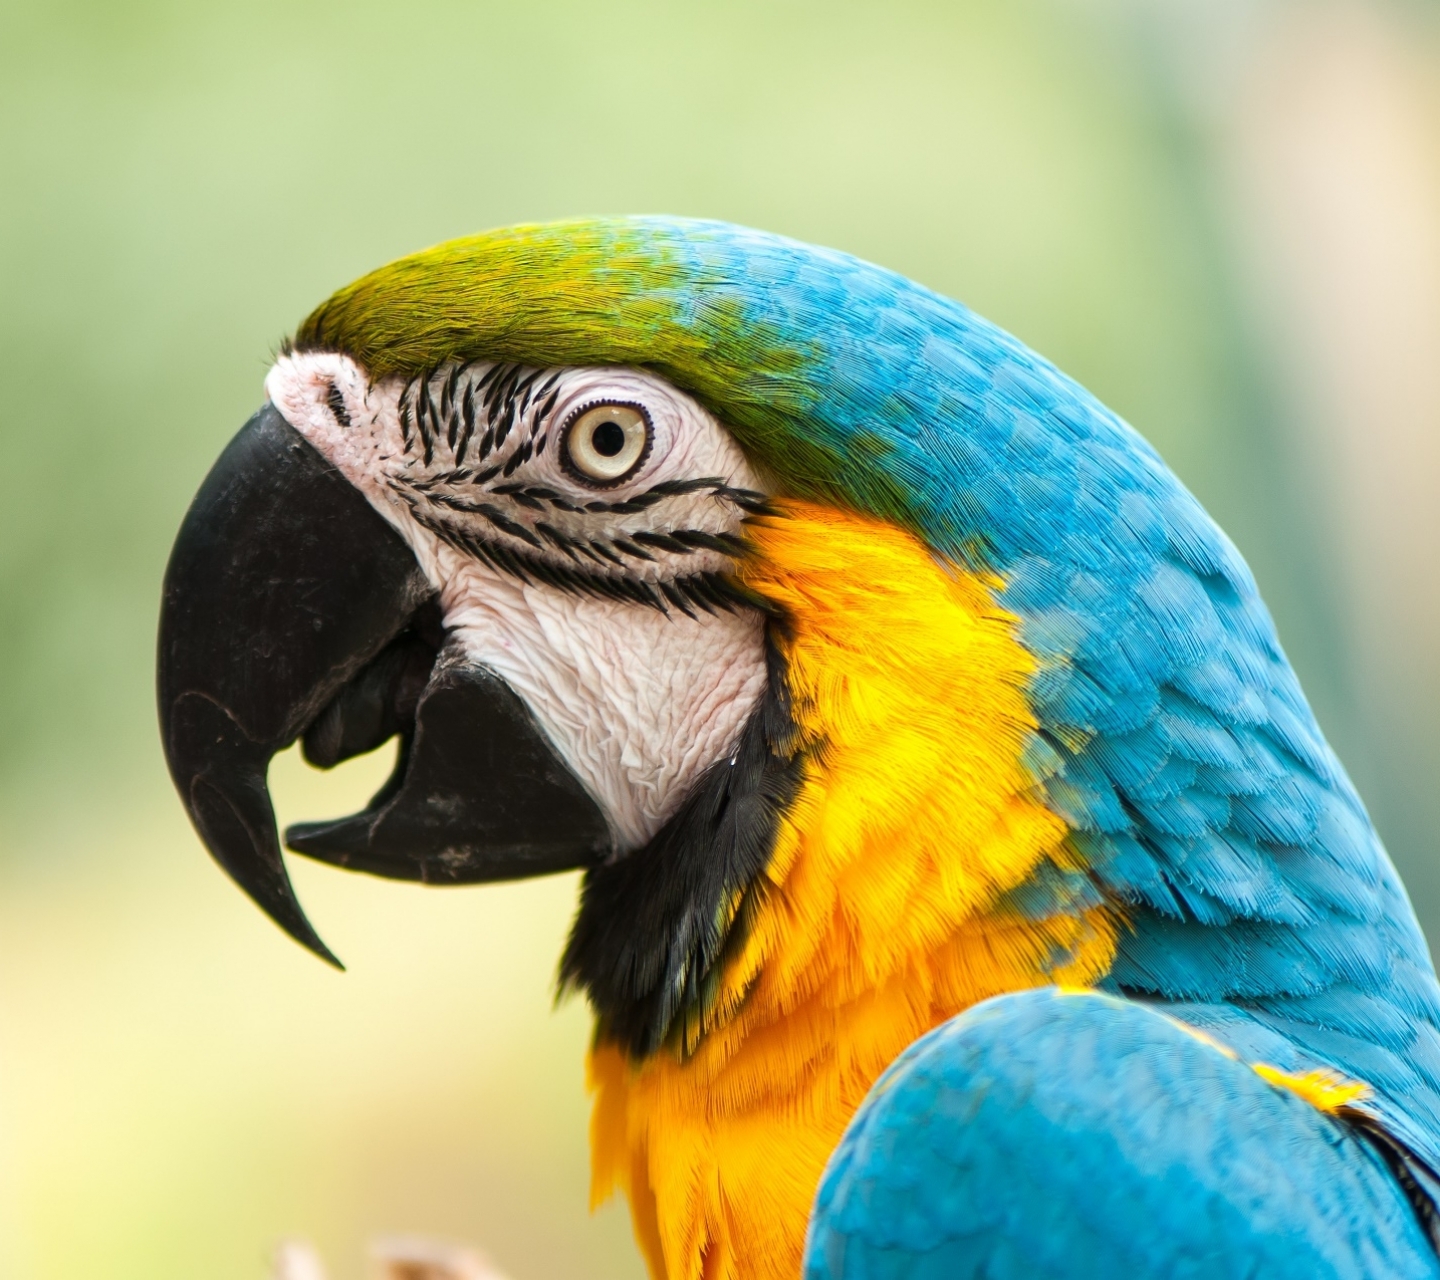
x=655, y=926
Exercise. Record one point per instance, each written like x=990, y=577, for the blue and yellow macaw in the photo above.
x=969, y=890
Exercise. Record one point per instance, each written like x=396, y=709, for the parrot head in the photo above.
x=867, y=665
x=564, y=506
x=494, y=504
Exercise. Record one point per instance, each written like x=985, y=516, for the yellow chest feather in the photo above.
x=882, y=914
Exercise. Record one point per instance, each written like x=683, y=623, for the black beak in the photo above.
x=292, y=609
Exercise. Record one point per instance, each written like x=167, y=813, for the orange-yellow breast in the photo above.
x=883, y=914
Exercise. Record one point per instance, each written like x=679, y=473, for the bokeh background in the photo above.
x=1221, y=215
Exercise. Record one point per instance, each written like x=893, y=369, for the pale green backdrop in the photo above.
x=180, y=1086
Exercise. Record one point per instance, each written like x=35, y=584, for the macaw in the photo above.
x=968, y=889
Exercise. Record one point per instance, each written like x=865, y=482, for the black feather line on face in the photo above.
x=407, y=423
x=467, y=423
x=504, y=373
x=503, y=522
x=706, y=589
x=598, y=551
x=630, y=549
x=548, y=406
x=505, y=395
x=505, y=399
x=563, y=542
x=523, y=390
x=452, y=414
x=655, y=927
x=427, y=418
x=336, y=400
x=681, y=602
x=447, y=391
x=519, y=494
x=523, y=402
x=516, y=460
x=747, y=500
x=420, y=408
x=489, y=376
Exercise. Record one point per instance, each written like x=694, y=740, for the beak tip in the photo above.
x=289, y=915
x=318, y=947
x=237, y=826
x=299, y=928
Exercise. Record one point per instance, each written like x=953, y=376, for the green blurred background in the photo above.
x=1221, y=215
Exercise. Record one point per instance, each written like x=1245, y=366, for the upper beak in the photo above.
x=292, y=608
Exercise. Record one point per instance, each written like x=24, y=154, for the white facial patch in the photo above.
x=579, y=525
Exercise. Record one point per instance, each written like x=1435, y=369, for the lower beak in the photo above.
x=292, y=609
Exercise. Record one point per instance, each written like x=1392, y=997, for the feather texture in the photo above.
x=1206, y=835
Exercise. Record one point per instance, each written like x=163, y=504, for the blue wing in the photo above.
x=1044, y=1134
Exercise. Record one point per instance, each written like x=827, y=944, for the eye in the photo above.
x=607, y=442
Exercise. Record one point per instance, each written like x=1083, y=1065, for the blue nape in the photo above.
x=1080, y=1135
x=1172, y=734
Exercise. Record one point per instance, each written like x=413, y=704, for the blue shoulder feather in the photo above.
x=1077, y=1136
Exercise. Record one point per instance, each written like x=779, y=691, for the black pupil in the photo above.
x=608, y=439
